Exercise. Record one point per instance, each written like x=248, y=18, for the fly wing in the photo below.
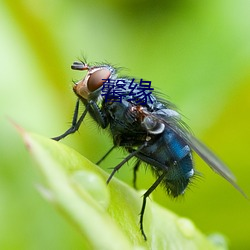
x=207, y=155
x=175, y=124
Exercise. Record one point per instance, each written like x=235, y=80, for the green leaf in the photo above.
x=106, y=215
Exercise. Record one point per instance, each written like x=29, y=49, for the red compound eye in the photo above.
x=95, y=80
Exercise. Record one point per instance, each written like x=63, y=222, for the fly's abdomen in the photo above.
x=169, y=155
x=180, y=166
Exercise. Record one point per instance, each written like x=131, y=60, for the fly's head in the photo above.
x=90, y=86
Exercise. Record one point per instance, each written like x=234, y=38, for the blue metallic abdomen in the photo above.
x=170, y=154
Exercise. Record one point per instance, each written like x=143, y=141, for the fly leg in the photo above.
x=105, y=155
x=91, y=106
x=136, y=167
x=116, y=168
x=145, y=196
x=75, y=124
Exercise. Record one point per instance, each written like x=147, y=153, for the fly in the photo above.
x=150, y=129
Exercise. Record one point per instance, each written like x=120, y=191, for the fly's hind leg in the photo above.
x=145, y=196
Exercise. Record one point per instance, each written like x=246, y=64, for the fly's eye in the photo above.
x=95, y=80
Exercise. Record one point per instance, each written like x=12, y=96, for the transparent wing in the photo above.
x=175, y=124
x=207, y=155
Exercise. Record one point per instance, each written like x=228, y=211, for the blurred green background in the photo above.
x=197, y=53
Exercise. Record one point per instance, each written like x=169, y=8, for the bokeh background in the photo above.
x=195, y=52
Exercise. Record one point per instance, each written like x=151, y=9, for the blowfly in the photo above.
x=148, y=127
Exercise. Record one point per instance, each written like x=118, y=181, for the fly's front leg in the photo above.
x=97, y=114
x=75, y=123
x=92, y=108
